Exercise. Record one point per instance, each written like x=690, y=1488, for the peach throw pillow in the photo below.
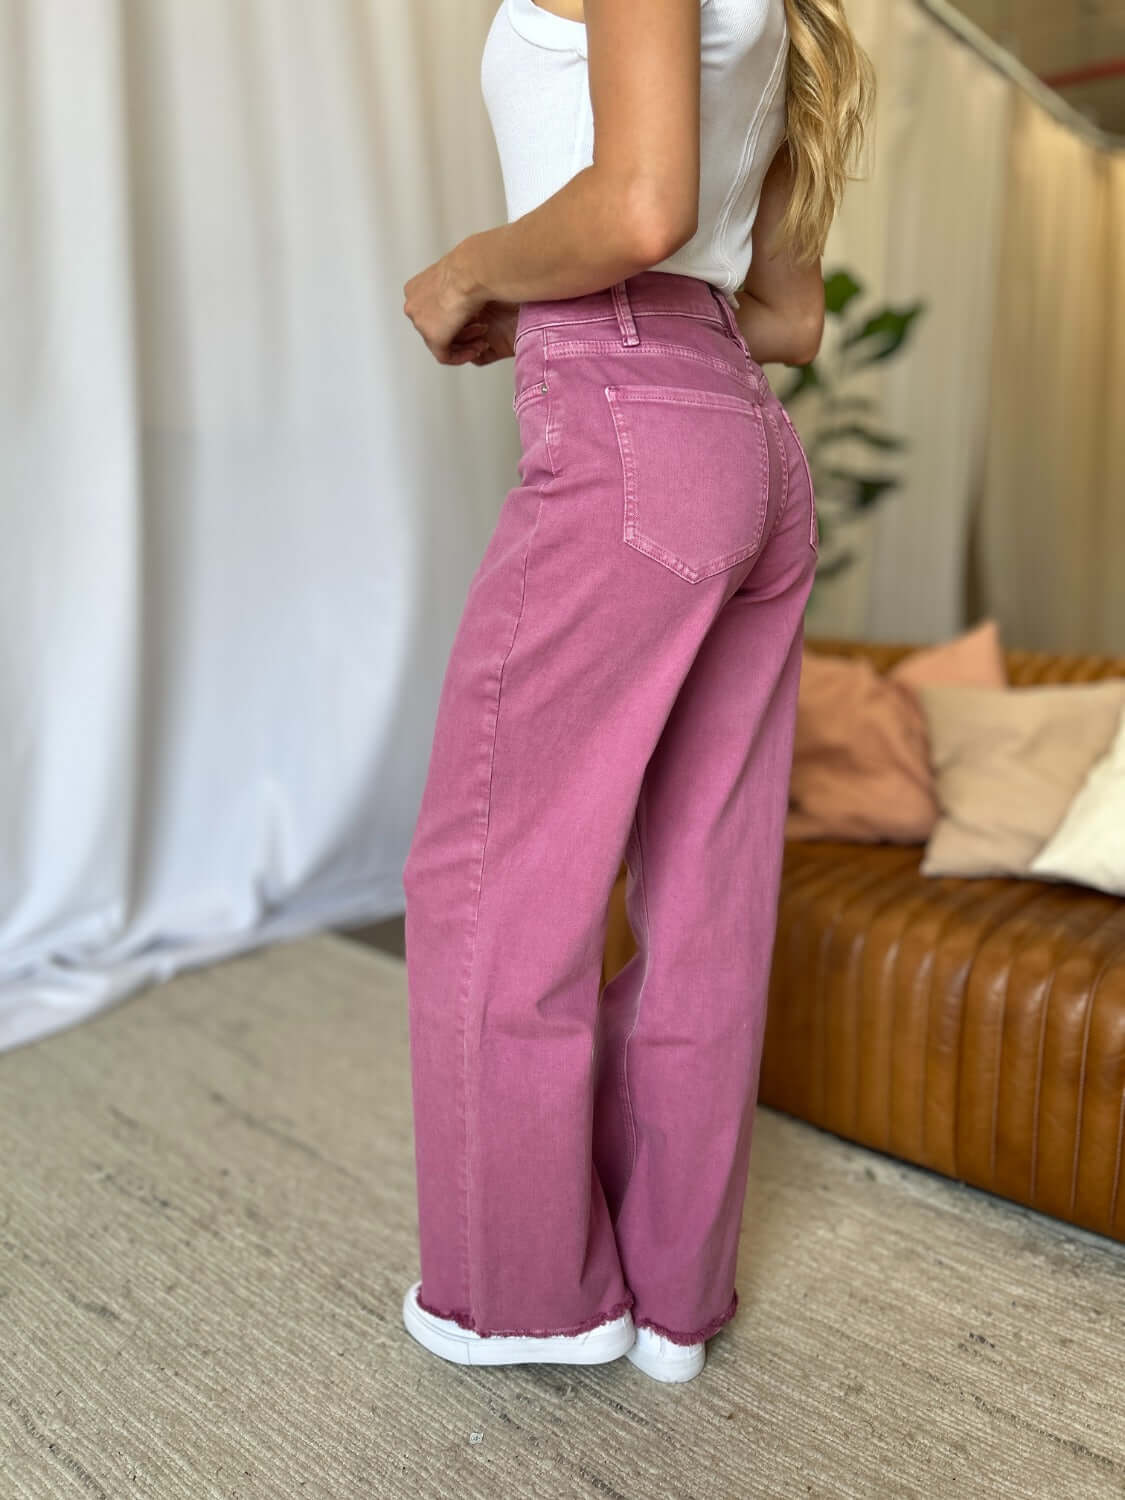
x=861, y=762
x=1008, y=765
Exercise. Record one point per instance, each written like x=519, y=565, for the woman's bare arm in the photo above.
x=781, y=306
x=639, y=200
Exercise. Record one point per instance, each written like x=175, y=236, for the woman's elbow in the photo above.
x=662, y=223
x=657, y=238
x=809, y=337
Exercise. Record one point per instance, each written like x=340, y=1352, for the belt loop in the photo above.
x=628, y=327
x=728, y=313
x=756, y=371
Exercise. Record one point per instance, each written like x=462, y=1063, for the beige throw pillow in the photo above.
x=1007, y=764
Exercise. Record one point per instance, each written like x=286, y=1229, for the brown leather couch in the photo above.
x=975, y=1027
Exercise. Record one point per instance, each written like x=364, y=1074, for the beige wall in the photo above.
x=1049, y=36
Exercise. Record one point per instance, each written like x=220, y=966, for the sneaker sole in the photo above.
x=462, y=1346
x=671, y=1368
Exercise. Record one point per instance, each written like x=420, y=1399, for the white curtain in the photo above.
x=241, y=501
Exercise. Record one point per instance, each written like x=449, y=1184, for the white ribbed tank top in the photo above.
x=536, y=90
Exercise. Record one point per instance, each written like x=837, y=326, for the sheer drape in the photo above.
x=1004, y=212
x=1052, y=550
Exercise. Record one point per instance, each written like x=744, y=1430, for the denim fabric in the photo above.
x=622, y=684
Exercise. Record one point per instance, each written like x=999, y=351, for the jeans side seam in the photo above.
x=466, y=1239
x=625, y=1095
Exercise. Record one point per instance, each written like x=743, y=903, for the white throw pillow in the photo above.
x=1089, y=844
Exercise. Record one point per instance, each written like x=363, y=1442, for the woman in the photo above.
x=623, y=680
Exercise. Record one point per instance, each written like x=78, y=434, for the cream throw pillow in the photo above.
x=1007, y=764
x=1089, y=844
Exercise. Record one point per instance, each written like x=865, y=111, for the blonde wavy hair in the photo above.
x=830, y=95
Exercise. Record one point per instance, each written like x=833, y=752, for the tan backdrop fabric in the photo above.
x=1052, y=532
x=921, y=224
x=1009, y=222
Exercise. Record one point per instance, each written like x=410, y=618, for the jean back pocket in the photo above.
x=695, y=466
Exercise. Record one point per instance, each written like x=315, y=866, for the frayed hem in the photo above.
x=692, y=1338
x=466, y=1321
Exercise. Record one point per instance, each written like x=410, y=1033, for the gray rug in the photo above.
x=207, y=1224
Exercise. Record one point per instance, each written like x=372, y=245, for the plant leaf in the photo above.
x=882, y=440
x=839, y=289
x=865, y=490
x=886, y=331
x=843, y=403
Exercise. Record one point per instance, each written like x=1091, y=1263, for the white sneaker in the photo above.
x=664, y=1360
x=448, y=1339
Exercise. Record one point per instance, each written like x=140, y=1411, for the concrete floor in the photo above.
x=208, y=1221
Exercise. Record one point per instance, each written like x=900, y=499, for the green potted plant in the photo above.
x=844, y=490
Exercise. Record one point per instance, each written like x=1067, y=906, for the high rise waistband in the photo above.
x=643, y=292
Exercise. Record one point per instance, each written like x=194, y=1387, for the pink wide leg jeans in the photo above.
x=622, y=684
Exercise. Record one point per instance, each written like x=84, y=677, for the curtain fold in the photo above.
x=242, y=502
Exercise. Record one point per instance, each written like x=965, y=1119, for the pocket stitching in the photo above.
x=572, y=348
x=619, y=397
x=529, y=392
x=683, y=395
x=541, y=389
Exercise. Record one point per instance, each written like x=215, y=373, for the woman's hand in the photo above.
x=496, y=324
x=457, y=327
x=441, y=303
x=489, y=337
